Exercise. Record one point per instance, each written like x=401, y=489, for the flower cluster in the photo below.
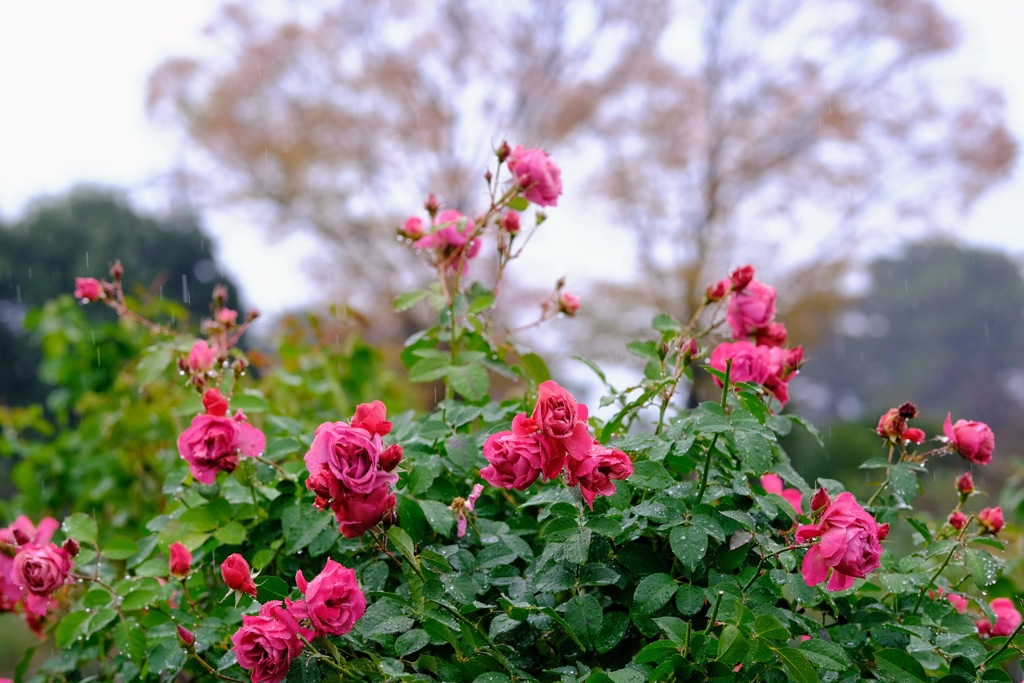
x=267, y=643
x=892, y=425
x=850, y=545
x=351, y=471
x=32, y=568
x=758, y=354
x=552, y=440
x=451, y=240
x=214, y=441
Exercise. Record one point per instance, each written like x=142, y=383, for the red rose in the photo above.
x=370, y=416
x=235, y=572
x=358, y=512
x=181, y=559
x=515, y=461
x=594, y=471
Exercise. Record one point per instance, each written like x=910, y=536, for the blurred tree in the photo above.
x=81, y=235
x=939, y=325
x=711, y=127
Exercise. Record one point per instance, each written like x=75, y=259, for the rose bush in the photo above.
x=501, y=534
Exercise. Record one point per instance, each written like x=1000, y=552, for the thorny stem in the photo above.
x=945, y=563
x=213, y=671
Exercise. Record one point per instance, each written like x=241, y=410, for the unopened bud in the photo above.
x=957, y=520
x=908, y=411
x=431, y=205
x=252, y=315
x=568, y=303
x=71, y=547
x=220, y=295
x=390, y=457
x=390, y=518
x=239, y=366
x=21, y=536
x=820, y=500
x=117, y=271
x=488, y=176
x=741, y=277
x=689, y=348
x=883, y=531
x=503, y=151
x=541, y=217
x=510, y=222
x=185, y=638
x=965, y=484
x=717, y=291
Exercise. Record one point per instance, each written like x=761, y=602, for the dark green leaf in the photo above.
x=797, y=666
x=80, y=527
x=767, y=626
x=689, y=544
x=584, y=616
x=439, y=516
x=119, y=548
x=470, y=381
x=984, y=568
x=130, y=640
x=653, y=592
x=270, y=588
x=410, y=642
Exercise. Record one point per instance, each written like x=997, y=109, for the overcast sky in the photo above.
x=72, y=79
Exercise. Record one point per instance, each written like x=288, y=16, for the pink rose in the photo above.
x=772, y=483
x=88, y=289
x=772, y=334
x=1007, y=619
x=539, y=177
x=370, y=416
x=991, y=520
x=451, y=232
x=460, y=506
x=750, y=363
x=334, y=602
x=965, y=484
x=235, y=572
x=958, y=602
x=515, y=461
x=266, y=644
x=201, y=357
x=213, y=443
x=181, y=559
x=594, y=471
x=957, y=520
x=358, y=512
x=751, y=309
x=22, y=532
x=972, y=440
x=568, y=303
x=849, y=547
x=557, y=414
x=412, y=228
x=41, y=568
x=227, y=316
x=351, y=454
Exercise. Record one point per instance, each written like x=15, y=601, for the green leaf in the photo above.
x=984, y=568
x=271, y=588
x=516, y=204
x=904, y=482
x=666, y=323
x=153, y=365
x=689, y=544
x=613, y=630
x=593, y=366
x=658, y=651
x=754, y=451
x=404, y=543
x=410, y=642
x=232, y=533
x=301, y=524
x=471, y=381
x=70, y=628
x=584, y=616
x=535, y=367
x=689, y=599
x=644, y=349
x=651, y=476
x=898, y=666
x=406, y=300
x=826, y=655
x=653, y=592
x=675, y=628
x=250, y=400
x=81, y=527
x=797, y=666
x=129, y=639
x=139, y=598
x=119, y=548
x=767, y=626
x=439, y=516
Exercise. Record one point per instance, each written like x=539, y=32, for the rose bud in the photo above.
x=820, y=500
x=503, y=151
x=88, y=289
x=21, y=537
x=510, y=222
x=991, y=520
x=717, y=291
x=71, y=547
x=412, y=228
x=215, y=403
x=958, y=602
x=117, y=270
x=227, y=316
x=908, y=411
x=235, y=572
x=568, y=303
x=741, y=277
x=390, y=457
x=431, y=205
x=957, y=520
x=181, y=560
x=965, y=484
x=185, y=638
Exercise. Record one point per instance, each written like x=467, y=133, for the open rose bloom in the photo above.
x=849, y=545
x=214, y=441
x=553, y=440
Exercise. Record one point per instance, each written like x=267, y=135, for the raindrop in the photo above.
x=30, y=272
x=181, y=372
x=86, y=259
x=242, y=372
x=18, y=289
x=184, y=290
x=87, y=610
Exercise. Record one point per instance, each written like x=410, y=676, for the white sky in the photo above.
x=72, y=83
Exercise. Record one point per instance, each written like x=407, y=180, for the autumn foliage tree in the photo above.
x=732, y=124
